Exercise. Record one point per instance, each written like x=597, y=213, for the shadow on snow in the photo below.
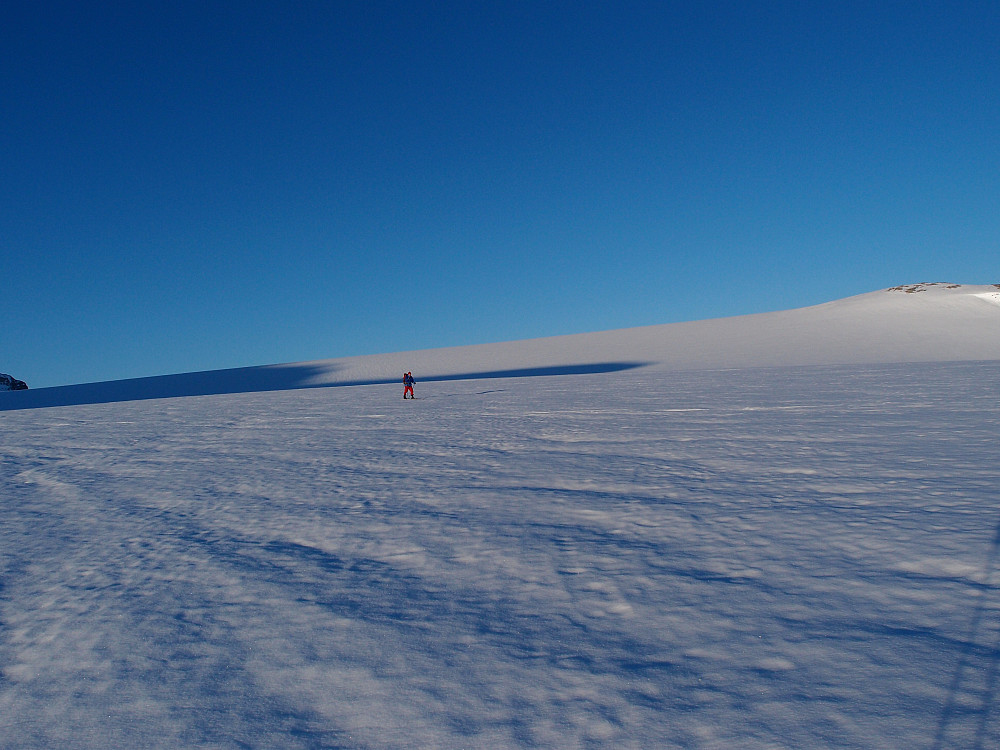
x=973, y=690
x=254, y=380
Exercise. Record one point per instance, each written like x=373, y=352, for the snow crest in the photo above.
x=916, y=323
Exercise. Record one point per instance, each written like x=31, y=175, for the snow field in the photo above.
x=770, y=558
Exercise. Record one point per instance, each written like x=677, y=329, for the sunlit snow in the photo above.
x=802, y=555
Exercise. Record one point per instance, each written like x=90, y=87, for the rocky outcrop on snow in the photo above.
x=7, y=383
x=914, y=288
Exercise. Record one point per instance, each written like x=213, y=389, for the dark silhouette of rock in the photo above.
x=7, y=383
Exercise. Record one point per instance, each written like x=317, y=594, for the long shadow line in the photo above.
x=254, y=380
x=965, y=666
x=991, y=682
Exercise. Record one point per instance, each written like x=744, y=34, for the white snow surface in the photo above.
x=932, y=322
x=703, y=552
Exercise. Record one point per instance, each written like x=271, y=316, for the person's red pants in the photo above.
x=408, y=389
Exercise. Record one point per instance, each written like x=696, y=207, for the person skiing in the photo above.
x=408, y=382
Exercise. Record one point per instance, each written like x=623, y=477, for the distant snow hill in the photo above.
x=928, y=322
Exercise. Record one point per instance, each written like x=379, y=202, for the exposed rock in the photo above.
x=911, y=288
x=7, y=383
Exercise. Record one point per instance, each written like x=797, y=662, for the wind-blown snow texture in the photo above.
x=758, y=558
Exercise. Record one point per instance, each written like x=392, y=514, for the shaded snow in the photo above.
x=774, y=558
x=608, y=556
x=915, y=323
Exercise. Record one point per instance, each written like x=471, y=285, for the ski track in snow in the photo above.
x=773, y=558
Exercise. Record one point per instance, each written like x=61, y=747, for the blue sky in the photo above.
x=194, y=186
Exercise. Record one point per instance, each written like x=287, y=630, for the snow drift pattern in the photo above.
x=771, y=558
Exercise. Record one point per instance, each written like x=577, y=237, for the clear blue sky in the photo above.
x=200, y=185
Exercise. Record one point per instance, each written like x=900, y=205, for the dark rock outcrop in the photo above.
x=7, y=383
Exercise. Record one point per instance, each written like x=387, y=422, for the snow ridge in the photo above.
x=925, y=322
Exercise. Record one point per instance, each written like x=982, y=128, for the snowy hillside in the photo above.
x=915, y=323
x=772, y=558
x=642, y=557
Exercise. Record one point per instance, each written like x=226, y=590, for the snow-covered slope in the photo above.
x=931, y=322
x=918, y=323
x=758, y=559
x=773, y=557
